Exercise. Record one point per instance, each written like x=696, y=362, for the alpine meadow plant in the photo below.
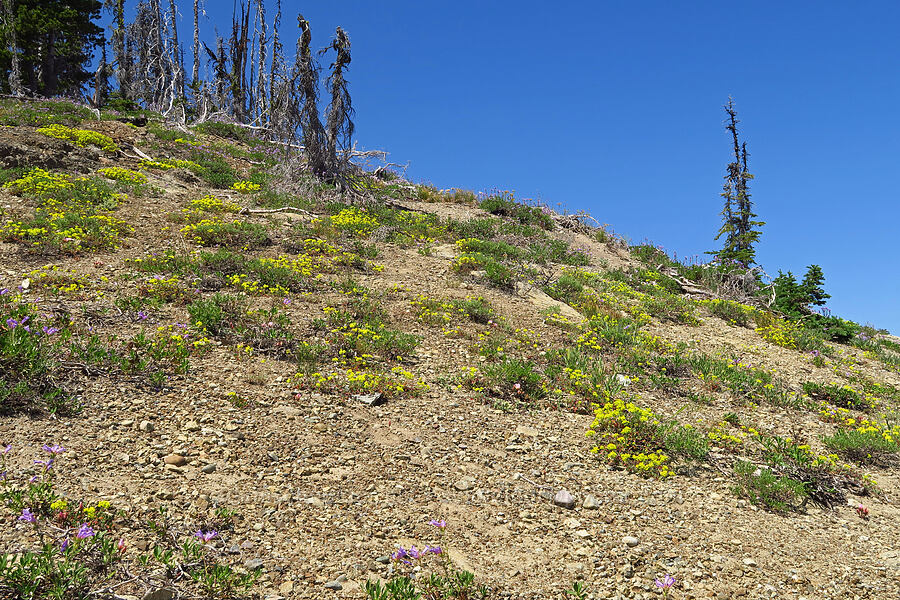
x=417, y=577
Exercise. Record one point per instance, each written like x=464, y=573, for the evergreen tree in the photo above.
x=739, y=226
x=54, y=41
x=812, y=286
x=793, y=299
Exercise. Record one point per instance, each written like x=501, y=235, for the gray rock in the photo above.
x=146, y=426
x=334, y=585
x=630, y=541
x=465, y=484
x=253, y=564
x=370, y=399
x=315, y=502
x=564, y=499
x=590, y=502
x=210, y=468
x=159, y=594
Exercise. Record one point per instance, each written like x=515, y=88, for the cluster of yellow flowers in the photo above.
x=391, y=384
x=210, y=203
x=67, y=214
x=165, y=164
x=781, y=333
x=81, y=137
x=355, y=221
x=627, y=436
x=63, y=281
x=122, y=174
x=245, y=187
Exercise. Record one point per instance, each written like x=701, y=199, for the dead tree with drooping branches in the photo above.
x=339, y=123
x=305, y=100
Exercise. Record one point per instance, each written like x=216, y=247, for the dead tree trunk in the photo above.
x=15, y=75
x=339, y=123
x=306, y=70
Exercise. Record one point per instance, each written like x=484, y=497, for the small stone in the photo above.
x=590, y=502
x=564, y=499
x=375, y=399
x=26, y=283
x=146, y=426
x=192, y=426
x=159, y=594
x=287, y=587
x=334, y=585
x=623, y=380
x=749, y=562
x=526, y=431
x=315, y=502
x=210, y=468
x=175, y=460
x=253, y=564
x=630, y=541
x=583, y=534
x=465, y=484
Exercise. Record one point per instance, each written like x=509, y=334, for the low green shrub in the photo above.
x=765, y=488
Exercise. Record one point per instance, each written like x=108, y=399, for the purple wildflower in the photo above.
x=6, y=449
x=45, y=463
x=54, y=449
x=12, y=323
x=442, y=523
x=49, y=330
x=666, y=582
x=28, y=516
x=433, y=550
x=65, y=544
x=141, y=315
x=205, y=536
x=85, y=531
x=401, y=554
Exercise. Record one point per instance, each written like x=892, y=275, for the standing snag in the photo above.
x=339, y=123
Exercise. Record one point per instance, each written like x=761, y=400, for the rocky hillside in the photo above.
x=222, y=378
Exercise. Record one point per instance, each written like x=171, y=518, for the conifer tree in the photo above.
x=739, y=226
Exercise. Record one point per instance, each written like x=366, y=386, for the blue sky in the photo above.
x=616, y=108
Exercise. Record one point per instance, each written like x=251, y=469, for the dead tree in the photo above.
x=306, y=73
x=175, y=60
x=15, y=75
x=260, y=108
x=339, y=123
x=195, y=71
x=101, y=80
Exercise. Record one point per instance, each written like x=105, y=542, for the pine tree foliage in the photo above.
x=48, y=45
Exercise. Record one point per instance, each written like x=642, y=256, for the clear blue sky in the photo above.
x=616, y=108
